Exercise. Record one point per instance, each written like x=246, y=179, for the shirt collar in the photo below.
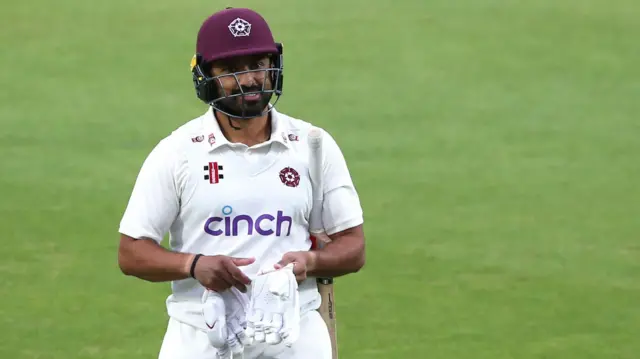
x=215, y=138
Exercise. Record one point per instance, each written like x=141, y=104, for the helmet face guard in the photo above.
x=209, y=88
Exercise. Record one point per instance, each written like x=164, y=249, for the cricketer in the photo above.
x=232, y=189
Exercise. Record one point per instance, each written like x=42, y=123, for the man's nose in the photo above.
x=247, y=79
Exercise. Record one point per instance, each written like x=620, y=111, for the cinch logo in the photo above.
x=264, y=224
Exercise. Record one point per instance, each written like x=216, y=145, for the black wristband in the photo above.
x=193, y=265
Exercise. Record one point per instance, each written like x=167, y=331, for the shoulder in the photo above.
x=190, y=132
x=171, y=150
x=296, y=131
x=177, y=142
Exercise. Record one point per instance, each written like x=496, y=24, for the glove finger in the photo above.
x=276, y=323
x=291, y=325
x=273, y=338
x=244, y=339
x=266, y=323
x=249, y=334
x=240, y=332
x=254, y=325
x=260, y=327
x=237, y=348
x=267, y=319
x=223, y=353
x=273, y=334
x=234, y=345
x=259, y=336
x=234, y=329
x=292, y=337
x=249, y=331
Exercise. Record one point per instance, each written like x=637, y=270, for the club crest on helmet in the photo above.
x=240, y=27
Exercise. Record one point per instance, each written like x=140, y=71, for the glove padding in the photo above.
x=224, y=315
x=274, y=308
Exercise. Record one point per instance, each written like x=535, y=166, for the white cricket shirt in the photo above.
x=216, y=197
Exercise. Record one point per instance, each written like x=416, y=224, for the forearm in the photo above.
x=345, y=254
x=146, y=259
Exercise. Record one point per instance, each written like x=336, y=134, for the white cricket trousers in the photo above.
x=183, y=341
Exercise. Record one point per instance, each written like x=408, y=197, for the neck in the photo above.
x=249, y=132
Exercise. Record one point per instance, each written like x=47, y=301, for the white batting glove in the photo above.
x=274, y=309
x=214, y=312
x=237, y=306
x=224, y=315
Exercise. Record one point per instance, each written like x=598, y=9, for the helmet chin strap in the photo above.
x=232, y=125
x=231, y=122
x=222, y=108
x=243, y=112
x=237, y=127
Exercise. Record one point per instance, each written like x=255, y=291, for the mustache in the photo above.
x=247, y=89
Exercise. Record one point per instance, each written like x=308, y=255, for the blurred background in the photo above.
x=494, y=144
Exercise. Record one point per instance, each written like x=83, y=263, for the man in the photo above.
x=232, y=189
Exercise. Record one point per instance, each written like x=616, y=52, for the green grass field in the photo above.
x=494, y=143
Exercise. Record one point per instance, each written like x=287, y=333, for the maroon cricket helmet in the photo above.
x=234, y=32
x=229, y=33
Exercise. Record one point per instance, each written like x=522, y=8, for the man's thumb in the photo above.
x=239, y=262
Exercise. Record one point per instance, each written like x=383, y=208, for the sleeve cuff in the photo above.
x=350, y=223
x=138, y=234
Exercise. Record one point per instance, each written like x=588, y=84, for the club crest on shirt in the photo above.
x=289, y=137
x=289, y=177
x=212, y=139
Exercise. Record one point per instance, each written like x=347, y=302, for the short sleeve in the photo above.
x=154, y=202
x=341, y=208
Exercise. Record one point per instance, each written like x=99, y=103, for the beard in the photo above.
x=239, y=107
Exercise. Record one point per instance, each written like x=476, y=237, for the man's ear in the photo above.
x=207, y=68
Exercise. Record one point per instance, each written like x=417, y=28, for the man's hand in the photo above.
x=303, y=261
x=219, y=273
